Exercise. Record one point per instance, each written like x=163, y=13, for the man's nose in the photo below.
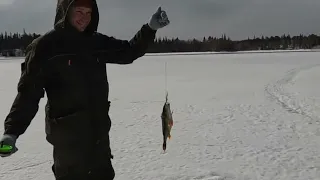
x=84, y=18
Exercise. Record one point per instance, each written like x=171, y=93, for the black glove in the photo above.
x=8, y=140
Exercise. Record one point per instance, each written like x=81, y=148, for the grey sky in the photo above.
x=189, y=18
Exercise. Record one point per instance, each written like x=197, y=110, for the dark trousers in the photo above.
x=82, y=164
x=97, y=174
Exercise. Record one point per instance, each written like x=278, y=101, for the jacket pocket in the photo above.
x=72, y=129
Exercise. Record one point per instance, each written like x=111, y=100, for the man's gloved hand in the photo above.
x=9, y=140
x=159, y=20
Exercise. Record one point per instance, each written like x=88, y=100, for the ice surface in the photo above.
x=236, y=117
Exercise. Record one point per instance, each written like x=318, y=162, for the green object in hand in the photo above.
x=5, y=149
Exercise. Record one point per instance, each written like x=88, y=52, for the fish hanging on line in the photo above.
x=167, y=122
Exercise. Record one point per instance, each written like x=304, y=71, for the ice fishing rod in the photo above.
x=5, y=149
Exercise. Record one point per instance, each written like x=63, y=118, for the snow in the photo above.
x=236, y=117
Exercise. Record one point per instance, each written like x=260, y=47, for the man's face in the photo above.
x=80, y=17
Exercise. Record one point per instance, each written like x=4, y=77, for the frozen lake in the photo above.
x=236, y=117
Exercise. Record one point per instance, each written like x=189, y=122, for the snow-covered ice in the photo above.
x=236, y=117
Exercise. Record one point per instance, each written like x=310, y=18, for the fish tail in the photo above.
x=164, y=146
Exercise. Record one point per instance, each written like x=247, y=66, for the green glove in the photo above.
x=8, y=145
x=159, y=20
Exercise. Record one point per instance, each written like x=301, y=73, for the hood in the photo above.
x=63, y=6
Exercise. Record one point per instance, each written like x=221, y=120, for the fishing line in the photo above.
x=165, y=79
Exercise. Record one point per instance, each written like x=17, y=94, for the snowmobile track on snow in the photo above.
x=275, y=91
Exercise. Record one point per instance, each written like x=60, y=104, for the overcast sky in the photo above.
x=189, y=18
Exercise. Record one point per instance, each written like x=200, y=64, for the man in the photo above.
x=69, y=64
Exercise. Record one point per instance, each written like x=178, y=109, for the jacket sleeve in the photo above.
x=30, y=91
x=111, y=50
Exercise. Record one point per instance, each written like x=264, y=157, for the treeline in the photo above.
x=224, y=43
x=9, y=41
